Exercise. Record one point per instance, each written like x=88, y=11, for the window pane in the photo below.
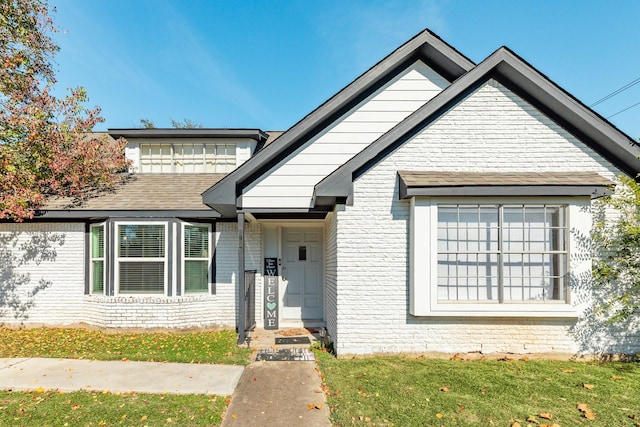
x=196, y=241
x=98, y=277
x=97, y=241
x=534, y=258
x=141, y=241
x=196, y=276
x=141, y=277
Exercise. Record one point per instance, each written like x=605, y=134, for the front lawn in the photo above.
x=51, y=408
x=183, y=347
x=399, y=391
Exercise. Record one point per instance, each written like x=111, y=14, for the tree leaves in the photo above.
x=46, y=145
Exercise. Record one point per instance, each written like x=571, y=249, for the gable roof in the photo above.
x=521, y=78
x=425, y=46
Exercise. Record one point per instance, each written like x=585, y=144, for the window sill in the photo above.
x=529, y=310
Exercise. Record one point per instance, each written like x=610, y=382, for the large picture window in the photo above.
x=187, y=158
x=141, y=258
x=501, y=253
x=196, y=258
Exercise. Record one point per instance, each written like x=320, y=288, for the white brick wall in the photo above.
x=227, y=264
x=490, y=130
x=60, y=302
x=64, y=302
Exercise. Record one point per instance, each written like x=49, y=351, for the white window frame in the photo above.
x=424, y=259
x=221, y=157
x=118, y=259
x=184, y=259
x=92, y=259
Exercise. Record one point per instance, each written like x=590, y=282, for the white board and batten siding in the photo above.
x=290, y=183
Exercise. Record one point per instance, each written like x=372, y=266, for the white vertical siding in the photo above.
x=290, y=184
x=491, y=130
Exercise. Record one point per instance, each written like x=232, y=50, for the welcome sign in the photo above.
x=271, y=293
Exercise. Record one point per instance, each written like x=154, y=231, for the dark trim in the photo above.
x=255, y=134
x=213, y=270
x=137, y=214
x=171, y=257
x=87, y=258
x=291, y=215
x=425, y=46
x=593, y=191
x=240, y=280
x=110, y=248
x=502, y=65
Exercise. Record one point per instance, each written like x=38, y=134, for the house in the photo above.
x=433, y=204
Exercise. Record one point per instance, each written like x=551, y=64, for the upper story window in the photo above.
x=187, y=158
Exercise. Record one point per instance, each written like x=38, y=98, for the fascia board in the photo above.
x=620, y=149
x=226, y=190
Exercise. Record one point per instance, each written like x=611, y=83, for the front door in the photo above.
x=302, y=273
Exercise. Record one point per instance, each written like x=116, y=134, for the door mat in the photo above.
x=293, y=340
x=285, y=355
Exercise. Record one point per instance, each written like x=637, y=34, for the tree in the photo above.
x=616, y=240
x=47, y=147
x=185, y=124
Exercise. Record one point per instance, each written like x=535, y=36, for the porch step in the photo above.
x=285, y=355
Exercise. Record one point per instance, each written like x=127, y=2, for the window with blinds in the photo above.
x=187, y=158
x=97, y=259
x=196, y=258
x=141, y=258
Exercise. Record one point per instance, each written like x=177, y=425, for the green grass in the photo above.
x=52, y=408
x=184, y=347
x=397, y=391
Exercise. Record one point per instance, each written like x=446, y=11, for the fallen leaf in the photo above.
x=311, y=406
x=568, y=371
x=617, y=378
x=143, y=418
x=234, y=416
x=545, y=415
x=532, y=419
x=590, y=415
x=444, y=389
x=587, y=386
x=456, y=357
x=516, y=424
x=439, y=415
x=582, y=407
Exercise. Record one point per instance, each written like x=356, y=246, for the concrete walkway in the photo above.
x=116, y=376
x=278, y=394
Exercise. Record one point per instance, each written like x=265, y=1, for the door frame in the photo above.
x=280, y=226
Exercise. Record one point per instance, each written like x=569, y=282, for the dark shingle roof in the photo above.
x=448, y=183
x=148, y=192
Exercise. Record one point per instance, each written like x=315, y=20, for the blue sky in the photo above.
x=266, y=64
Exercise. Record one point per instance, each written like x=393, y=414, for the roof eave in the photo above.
x=255, y=134
x=425, y=45
x=503, y=64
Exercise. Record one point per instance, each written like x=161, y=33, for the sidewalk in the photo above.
x=116, y=376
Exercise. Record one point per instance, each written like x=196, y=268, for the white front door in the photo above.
x=302, y=273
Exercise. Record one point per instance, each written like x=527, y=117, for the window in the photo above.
x=501, y=253
x=96, y=273
x=187, y=158
x=497, y=256
x=196, y=258
x=141, y=258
